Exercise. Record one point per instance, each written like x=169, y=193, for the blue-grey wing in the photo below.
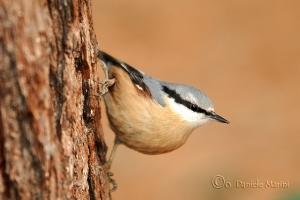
x=155, y=88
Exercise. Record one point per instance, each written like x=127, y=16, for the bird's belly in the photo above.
x=152, y=142
x=147, y=129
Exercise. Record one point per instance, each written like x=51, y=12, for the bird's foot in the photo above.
x=105, y=85
x=110, y=175
x=114, y=185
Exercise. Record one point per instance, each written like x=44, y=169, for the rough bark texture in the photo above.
x=51, y=141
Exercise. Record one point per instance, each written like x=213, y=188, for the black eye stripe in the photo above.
x=173, y=94
x=194, y=107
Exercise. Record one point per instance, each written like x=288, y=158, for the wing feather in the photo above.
x=150, y=87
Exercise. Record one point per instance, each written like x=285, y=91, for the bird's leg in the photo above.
x=109, y=163
x=107, y=81
x=113, y=152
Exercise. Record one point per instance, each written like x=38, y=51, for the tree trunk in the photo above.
x=51, y=140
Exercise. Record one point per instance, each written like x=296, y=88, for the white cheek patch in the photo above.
x=196, y=119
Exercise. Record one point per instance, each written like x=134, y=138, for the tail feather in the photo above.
x=108, y=59
x=135, y=75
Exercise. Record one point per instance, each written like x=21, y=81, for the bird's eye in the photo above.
x=194, y=107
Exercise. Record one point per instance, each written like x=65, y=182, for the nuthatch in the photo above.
x=148, y=115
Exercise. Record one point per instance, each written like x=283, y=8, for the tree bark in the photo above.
x=51, y=140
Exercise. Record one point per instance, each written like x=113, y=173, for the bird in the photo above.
x=149, y=115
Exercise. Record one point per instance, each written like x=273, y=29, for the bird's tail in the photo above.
x=109, y=60
x=135, y=75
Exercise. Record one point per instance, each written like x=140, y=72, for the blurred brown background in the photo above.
x=245, y=55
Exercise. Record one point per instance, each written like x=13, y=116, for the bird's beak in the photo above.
x=218, y=118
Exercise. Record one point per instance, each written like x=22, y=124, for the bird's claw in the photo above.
x=105, y=85
x=112, y=182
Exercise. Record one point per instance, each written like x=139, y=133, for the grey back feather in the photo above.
x=155, y=87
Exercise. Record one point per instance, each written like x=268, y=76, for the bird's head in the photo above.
x=191, y=104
